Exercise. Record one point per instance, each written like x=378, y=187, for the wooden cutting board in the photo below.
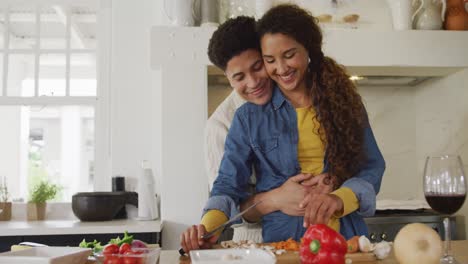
x=292, y=257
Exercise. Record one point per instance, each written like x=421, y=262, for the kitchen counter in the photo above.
x=459, y=250
x=75, y=227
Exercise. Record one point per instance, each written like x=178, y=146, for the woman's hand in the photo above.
x=191, y=239
x=288, y=196
x=320, y=207
x=321, y=183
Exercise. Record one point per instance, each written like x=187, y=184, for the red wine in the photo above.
x=445, y=203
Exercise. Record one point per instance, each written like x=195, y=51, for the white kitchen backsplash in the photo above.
x=392, y=116
x=412, y=122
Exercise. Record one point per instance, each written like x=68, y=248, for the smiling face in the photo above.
x=286, y=61
x=247, y=75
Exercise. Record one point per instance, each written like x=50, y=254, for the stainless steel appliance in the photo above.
x=386, y=224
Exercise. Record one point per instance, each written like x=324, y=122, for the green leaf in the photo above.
x=83, y=244
x=43, y=192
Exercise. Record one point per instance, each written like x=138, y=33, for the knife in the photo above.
x=230, y=221
x=234, y=218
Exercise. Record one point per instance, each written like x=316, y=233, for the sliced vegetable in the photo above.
x=321, y=244
x=353, y=244
x=289, y=244
x=417, y=243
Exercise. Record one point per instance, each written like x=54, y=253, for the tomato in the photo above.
x=124, y=248
x=132, y=259
x=110, y=249
x=112, y=260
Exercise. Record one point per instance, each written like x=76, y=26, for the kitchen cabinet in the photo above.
x=72, y=232
x=74, y=240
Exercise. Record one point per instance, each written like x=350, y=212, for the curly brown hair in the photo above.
x=338, y=105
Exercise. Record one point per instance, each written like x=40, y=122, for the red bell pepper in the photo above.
x=322, y=245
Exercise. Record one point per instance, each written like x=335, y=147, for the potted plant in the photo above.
x=39, y=195
x=5, y=205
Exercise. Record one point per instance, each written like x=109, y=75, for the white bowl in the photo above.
x=47, y=255
x=237, y=256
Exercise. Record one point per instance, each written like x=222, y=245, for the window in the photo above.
x=48, y=94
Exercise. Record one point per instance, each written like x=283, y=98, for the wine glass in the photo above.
x=445, y=191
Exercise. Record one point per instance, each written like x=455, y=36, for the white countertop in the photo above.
x=72, y=227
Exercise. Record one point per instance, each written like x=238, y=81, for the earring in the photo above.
x=308, y=61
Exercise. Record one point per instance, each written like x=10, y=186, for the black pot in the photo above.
x=101, y=206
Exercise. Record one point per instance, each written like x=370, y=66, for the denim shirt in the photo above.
x=265, y=137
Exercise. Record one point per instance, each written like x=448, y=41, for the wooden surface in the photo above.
x=459, y=250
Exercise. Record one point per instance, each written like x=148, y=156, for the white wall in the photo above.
x=135, y=97
x=392, y=116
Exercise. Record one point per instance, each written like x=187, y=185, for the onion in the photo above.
x=138, y=244
x=417, y=243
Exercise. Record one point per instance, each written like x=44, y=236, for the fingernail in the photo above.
x=305, y=226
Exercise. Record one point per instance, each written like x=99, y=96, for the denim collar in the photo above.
x=277, y=98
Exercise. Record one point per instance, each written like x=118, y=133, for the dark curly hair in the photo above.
x=335, y=99
x=232, y=38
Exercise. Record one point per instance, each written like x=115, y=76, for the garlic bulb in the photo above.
x=382, y=249
x=364, y=244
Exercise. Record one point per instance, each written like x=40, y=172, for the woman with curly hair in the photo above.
x=329, y=124
x=314, y=123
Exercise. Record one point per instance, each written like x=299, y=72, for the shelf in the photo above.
x=363, y=52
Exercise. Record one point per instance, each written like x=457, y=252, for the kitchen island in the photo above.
x=459, y=250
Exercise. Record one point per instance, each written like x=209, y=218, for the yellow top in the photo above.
x=310, y=149
x=311, y=154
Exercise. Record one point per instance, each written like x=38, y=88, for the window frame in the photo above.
x=101, y=101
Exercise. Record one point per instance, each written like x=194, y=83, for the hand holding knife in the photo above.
x=210, y=234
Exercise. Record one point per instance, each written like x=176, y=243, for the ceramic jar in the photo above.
x=429, y=15
x=456, y=17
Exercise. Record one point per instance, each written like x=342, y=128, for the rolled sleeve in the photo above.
x=224, y=204
x=365, y=194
